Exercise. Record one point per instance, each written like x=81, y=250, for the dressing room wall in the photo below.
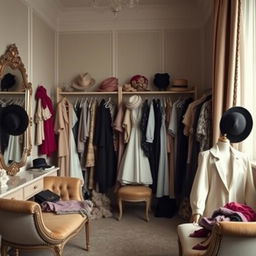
x=55, y=44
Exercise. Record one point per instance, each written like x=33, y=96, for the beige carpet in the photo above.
x=132, y=236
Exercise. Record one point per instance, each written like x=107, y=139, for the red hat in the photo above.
x=139, y=82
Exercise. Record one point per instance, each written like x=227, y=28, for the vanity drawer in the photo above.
x=17, y=195
x=33, y=188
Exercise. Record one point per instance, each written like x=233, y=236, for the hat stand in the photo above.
x=224, y=138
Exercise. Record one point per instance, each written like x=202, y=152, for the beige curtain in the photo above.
x=247, y=90
x=225, y=58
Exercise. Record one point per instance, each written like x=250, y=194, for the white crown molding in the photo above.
x=189, y=14
x=48, y=10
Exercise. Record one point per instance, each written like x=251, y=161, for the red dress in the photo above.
x=48, y=145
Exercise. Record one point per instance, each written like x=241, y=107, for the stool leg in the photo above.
x=147, y=208
x=120, y=208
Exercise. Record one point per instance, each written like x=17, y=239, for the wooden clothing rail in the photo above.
x=120, y=94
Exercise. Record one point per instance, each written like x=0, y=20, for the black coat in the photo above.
x=106, y=160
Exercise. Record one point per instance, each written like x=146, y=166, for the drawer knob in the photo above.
x=35, y=187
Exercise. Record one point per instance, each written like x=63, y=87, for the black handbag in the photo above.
x=46, y=195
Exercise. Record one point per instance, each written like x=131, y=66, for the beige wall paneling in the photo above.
x=14, y=27
x=43, y=63
x=184, y=56
x=138, y=52
x=85, y=52
x=207, y=50
x=43, y=55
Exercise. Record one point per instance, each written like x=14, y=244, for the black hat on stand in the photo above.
x=7, y=82
x=14, y=119
x=236, y=123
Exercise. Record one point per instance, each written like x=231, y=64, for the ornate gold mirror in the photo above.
x=15, y=90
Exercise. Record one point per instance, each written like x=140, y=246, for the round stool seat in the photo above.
x=134, y=193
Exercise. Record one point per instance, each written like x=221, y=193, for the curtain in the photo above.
x=225, y=58
x=247, y=90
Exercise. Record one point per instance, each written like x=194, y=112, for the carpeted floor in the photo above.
x=132, y=236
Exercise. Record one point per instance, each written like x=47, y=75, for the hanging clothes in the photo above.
x=170, y=144
x=48, y=145
x=134, y=167
x=155, y=152
x=143, y=127
x=90, y=156
x=117, y=126
x=77, y=110
x=181, y=143
x=127, y=125
x=163, y=171
x=204, y=131
x=68, y=160
x=14, y=149
x=83, y=131
x=4, y=136
x=106, y=163
x=40, y=116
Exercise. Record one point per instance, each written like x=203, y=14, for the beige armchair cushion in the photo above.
x=61, y=226
x=66, y=187
x=227, y=238
x=24, y=225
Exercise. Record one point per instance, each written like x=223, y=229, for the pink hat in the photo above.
x=109, y=84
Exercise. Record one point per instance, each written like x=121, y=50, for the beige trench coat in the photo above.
x=210, y=190
x=62, y=124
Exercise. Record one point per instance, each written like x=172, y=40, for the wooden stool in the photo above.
x=132, y=193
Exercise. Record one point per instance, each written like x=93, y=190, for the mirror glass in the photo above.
x=15, y=107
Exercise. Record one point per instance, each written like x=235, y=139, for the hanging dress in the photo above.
x=48, y=145
x=134, y=166
x=68, y=160
x=163, y=171
x=105, y=157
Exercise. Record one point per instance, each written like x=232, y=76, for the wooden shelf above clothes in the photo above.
x=12, y=93
x=160, y=92
x=119, y=94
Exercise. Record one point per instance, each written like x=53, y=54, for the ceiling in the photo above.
x=105, y=3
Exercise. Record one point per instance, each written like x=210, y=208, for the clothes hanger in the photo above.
x=76, y=101
x=107, y=103
x=2, y=102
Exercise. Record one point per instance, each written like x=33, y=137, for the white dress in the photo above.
x=75, y=166
x=134, y=166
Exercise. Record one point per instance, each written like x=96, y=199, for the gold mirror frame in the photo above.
x=12, y=59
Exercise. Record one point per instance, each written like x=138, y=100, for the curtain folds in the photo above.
x=225, y=58
x=248, y=70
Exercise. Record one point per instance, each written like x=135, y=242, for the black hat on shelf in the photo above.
x=14, y=119
x=161, y=80
x=7, y=82
x=236, y=123
x=39, y=163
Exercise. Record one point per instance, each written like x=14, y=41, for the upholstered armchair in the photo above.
x=24, y=226
x=227, y=238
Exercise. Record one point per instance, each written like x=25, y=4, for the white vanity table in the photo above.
x=26, y=184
